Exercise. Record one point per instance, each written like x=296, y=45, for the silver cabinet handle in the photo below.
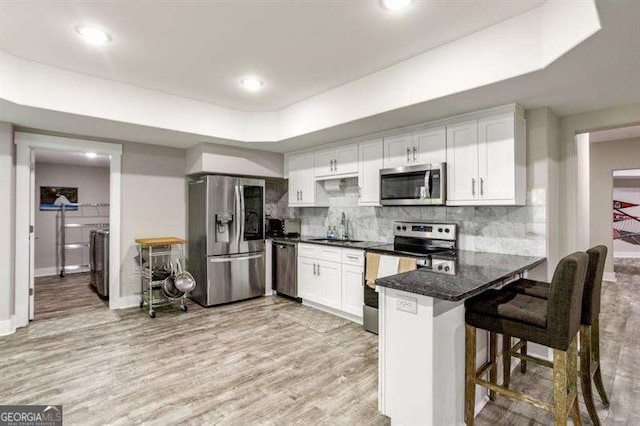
x=330, y=165
x=473, y=186
x=301, y=195
x=318, y=269
x=353, y=257
x=481, y=186
x=408, y=154
x=335, y=165
x=359, y=192
x=415, y=151
x=314, y=269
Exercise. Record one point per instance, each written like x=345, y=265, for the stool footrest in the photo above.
x=530, y=358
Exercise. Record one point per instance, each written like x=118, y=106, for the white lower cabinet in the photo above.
x=308, y=286
x=352, y=290
x=331, y=277
x=330, y=274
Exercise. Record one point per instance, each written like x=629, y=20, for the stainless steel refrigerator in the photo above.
x=226, y=238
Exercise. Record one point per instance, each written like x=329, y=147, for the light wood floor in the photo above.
x=242, y=363
x=245, y=364
x=57, y=297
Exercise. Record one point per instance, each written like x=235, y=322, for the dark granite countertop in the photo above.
x=335, y=243
x=476, y=272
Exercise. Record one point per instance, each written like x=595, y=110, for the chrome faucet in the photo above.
x=345, y=226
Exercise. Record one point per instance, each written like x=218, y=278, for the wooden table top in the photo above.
x=160, y=241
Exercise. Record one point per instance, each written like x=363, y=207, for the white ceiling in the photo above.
x=616, y=134
x=71, y=158
x=200, y=50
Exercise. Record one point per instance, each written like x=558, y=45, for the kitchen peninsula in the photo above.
x=421, y=361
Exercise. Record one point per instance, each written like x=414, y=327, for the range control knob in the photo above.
x=446, y=268
x=439, y=267
x=439, y=229
x=398, y=228
x=447, y=230
x=404, y=228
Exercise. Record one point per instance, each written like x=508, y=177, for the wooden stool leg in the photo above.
x=595, y=345
x=493, y=371
x=523, y=363
x=506, y=361
x=470, y=374
x=585, y=372
x=560, y=382
x=572, y=367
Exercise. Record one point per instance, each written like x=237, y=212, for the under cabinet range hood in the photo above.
x=420, y=185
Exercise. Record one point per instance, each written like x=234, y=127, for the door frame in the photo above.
x=25, y=202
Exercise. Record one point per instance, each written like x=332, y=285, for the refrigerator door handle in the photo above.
x=222, y=259
x=242, y=213
x=237, y=219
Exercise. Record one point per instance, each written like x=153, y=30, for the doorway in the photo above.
x=626, y=214
x=28, y=147
x=71, y=231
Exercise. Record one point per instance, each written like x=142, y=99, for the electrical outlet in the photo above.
x=407, y=305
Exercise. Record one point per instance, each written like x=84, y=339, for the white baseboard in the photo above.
x=609, y=276
x=53, y=271
x=126, y=302
x=336, y=312
x=45, y=272
x=626, y=254
x=7, y=326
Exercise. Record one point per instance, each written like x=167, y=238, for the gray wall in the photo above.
x=93, y=187
x=7, y=225
x=154, y=204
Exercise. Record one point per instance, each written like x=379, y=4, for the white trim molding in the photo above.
x=609, y=276
x=7, y=326
x=626, y=254
x=25, y=143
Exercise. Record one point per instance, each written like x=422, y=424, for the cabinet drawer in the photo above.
x=320, y=252
x=308, y=250
x=353, y=257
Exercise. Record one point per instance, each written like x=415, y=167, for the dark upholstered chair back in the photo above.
x=565, y=298
x=593, y=284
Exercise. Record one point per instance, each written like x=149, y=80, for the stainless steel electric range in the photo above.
x=433, y=245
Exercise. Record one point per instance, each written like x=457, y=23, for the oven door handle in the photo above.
x=428, y=183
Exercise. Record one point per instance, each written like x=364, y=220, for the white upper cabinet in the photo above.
x=370, y=158
x=302, y=184
x=430, y=146
x=398, y=151
x=338, y=161
x=496, y=153
x=462, y=167
x=486, y=161
x=412, y=149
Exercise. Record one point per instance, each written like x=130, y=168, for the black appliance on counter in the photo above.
x=433, y=245
x=274, y=227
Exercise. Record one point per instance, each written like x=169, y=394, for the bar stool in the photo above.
x=590, y=371
x=552, y=322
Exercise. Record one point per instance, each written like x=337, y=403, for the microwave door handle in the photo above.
x=427, y=183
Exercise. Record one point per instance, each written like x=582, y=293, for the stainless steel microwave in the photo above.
x=421, y=185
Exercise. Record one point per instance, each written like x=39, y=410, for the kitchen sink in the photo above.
x=330, y=240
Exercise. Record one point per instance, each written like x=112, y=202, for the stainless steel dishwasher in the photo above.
x=285, y=276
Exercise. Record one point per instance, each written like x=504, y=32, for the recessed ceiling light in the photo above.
x=251, y=83
x=91, y=155
x=395, y=4
x=93, y=35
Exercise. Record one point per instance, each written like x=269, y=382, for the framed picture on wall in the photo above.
x=53, y=197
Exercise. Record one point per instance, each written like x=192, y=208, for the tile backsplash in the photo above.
x=499, y=229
